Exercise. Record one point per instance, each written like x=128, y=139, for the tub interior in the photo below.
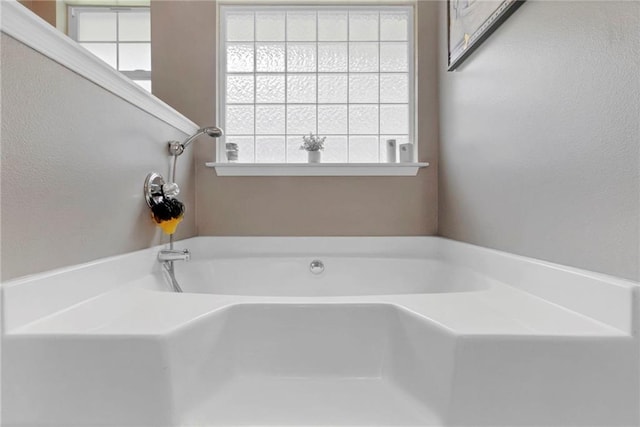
x=342, y=276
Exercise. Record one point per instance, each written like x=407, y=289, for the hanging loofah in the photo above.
x=168, y=214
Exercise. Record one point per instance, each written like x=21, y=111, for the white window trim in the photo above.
x=224, y=168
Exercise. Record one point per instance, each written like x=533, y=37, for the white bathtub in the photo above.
x=394, y=331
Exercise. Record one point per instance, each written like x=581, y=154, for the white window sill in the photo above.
x=316, y=169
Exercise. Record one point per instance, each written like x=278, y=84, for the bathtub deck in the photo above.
x=501, y=310
x=305, y=401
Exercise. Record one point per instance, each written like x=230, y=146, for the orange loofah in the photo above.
x=170, y=226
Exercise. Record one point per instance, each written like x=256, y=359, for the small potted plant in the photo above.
x=313, y=145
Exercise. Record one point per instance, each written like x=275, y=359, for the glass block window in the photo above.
x=344, y=72
x=119, y=36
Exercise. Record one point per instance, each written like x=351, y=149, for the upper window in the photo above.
x=119, y=36
x=342, y=72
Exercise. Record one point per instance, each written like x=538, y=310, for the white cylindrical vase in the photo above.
x=315, y=156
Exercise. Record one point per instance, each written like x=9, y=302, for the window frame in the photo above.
x=412, y=71
x=72, y=15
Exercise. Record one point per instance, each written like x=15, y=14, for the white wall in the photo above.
x=74, y=160
x=540, y=137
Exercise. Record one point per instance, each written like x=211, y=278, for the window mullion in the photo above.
x=255, y=104
x=286, y=88
x=317, y=68
x=379, y=74
x=348, y=85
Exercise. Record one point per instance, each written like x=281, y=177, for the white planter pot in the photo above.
x=315, y=156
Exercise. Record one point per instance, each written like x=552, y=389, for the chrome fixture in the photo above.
x=316, y=266
x=156, y=192
x=176, y=148
x=167, y=257
x=170, y=255
x=156, y=189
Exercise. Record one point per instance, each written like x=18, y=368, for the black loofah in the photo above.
x=167, y=209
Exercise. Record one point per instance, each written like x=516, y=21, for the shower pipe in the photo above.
x=175, y=149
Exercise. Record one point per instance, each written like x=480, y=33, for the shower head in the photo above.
x=176, y=148
x=212, y=131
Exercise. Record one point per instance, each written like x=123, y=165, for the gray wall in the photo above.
x=539, y=141
x=74, y=159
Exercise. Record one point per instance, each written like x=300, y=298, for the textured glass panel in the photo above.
x=335, y=149
x=270, y=57
x=270, y=89
x=343, y=107
x=301, y=57
x=104, y=51
x=363, y=149
x=270, y=26
x=294, y=153
x=146, y=84
x=239, y=119
x=394, y=119
x=134, y=26
x=269, y=119
x=99, y=27
x=301, y=88
x=394, y=88
x=245, y=147
x=239, y=26
x=363, y=88
x=393, y=57
x=332, y=26
x=394, y=26
x=363, y=119
x=363, y=57
x=239, y=89
x=363, y=26
x=332, y=57
x=332, y=119
x=400, y=139
x=301, y=26
x=270, y=149
x=135, y=56
x=301, y=119
x=239, y=57
x=332, y=88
